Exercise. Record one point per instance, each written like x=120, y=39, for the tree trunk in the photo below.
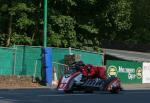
x=9, y=30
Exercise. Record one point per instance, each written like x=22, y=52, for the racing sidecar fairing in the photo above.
x=70, y=83
x=73, y=80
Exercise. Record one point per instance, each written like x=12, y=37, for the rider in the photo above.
x=85, y=71
x=90, y=71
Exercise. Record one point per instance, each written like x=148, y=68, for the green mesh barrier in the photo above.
x=86, y=57
x=27, y=60
x=6, y=61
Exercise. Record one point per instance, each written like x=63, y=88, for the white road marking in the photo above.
x=11, y=93
x=139, y=92
x=61, y=95
x=19, y=100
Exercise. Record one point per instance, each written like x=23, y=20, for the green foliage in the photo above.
x=3, y=38
x=4, y=8
x=24, y=22
x=20, y=7
x=54, y=40
x=89, y=29
x=66, y=2
x=76, y=23
x=70, y=2
x=15, y=39
x=92, y=1
x=118, y=15
x=63, y=30
x=18, y=39
x=141, y=21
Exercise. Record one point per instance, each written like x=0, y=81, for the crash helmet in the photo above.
x=88, y=68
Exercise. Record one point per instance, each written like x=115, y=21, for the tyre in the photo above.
x=113, y=86
x=88, y=91
x=115, y=91
x=68, y=91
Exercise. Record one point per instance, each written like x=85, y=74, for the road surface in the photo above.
x=45, y=95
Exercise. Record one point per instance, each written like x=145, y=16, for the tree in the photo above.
x=62, y=31
x=18, y=17
x=141, y=21
x=76, y=23
x=114, y=18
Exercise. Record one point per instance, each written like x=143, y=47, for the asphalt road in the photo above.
x=45, y=95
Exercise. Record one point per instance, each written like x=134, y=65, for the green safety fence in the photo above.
x=86, y=56
x=6, y=61
x=127, y=71
x=27, y=60
x=20, y=60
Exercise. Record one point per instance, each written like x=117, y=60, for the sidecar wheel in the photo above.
x=68, y=91
x=88, y=91
x=115, y=91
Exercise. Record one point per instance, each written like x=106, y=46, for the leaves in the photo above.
x=90, y=29
x=64, y=27
x=75, y=23
x=20, y=39
x=20, y=7
x=24, y=22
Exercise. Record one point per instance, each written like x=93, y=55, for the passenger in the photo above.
x=101, y=72
x=91, y=71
